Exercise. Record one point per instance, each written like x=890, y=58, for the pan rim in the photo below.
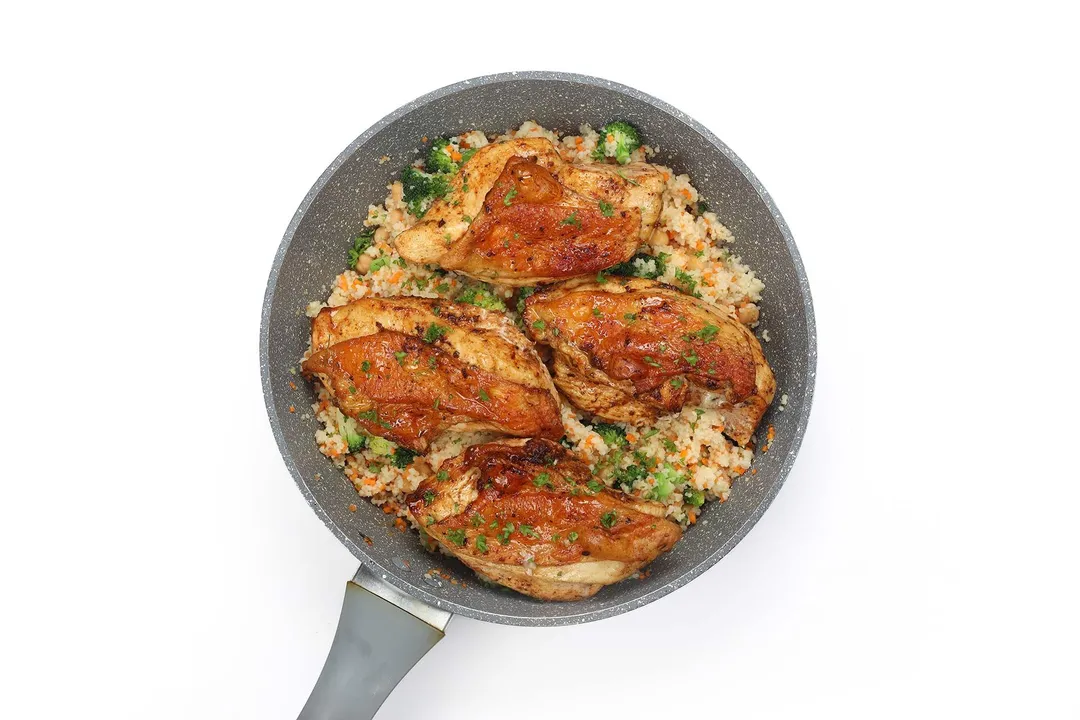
x=390, y=574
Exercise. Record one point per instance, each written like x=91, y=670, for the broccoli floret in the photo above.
x=438, y=159
x=613, y=435
x=693, y=496
x=666, y=480
x=402, y=457
x=380, y=446
x=419, y=189
x=481, y=296
x=361, y=243
x=642, y=265
x=350, y=433
x=627, y=476
x=626, y=136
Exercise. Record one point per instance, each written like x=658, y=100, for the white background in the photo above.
x=921, y=561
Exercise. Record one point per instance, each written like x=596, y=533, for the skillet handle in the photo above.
x=381, y=634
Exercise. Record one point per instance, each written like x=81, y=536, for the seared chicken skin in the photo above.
x=526, y=514
x=518, y=214
x=631, y=349
x=408, y=369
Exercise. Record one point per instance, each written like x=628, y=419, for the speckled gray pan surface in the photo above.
x=313, y=252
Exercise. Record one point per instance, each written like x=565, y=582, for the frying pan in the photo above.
x=399, y=602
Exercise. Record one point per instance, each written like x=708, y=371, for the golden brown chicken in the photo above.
x=526, y=514
x=518, y=214
x=630, y=349
x=408, y=369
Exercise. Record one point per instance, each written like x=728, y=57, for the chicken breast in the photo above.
x=408, y=369
x=631, y=349
x=518, y=214
x=526, y=514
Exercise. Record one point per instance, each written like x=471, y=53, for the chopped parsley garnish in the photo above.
x=606, y=209
x=378, y=264
x=442, y=476
x=543, y=479
x=594, y=486
x=608, y=519
x=651, y=361
x=707, y=333
x=601, y=277
x=702, y=207
x=572, y=219
x=509, y=196
x=481, y=543
x=493, y=524
x=642, y=265
x=620, y=174
x=651, y=433
x=630, y=316
x=429, y=497
x=523, y=293
x=572, y=536
x=435, y=308
x=467, y=218
x=504, y=536
x=442, y=287
x=483, y=395
x=432, y=362
x=476, y=520
x=352, y=389
x=359, y=244
x=539, y=325
x=692, y=358
x=457, y=537
x=400, y=355
x=434, y=332
x=400, y=262
x=686, y=280
x=527, y=531
x=556, y=537
x=403, y=457
x=435, y=405
x=365, y=366
x=669, y=445
x=677, y=382
x=596, y=312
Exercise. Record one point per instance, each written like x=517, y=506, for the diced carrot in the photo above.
x=292, y=408
x=611, y=138
x=423, y=139
x=352, y=507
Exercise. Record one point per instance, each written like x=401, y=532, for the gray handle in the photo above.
x=380, y=636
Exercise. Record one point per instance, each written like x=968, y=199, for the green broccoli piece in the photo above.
x=350, y=433
x=481, y=296
x=613, y=435
x=361, y=243
x=642, y=265
x=524, y=293
x=627, y=139
x=402, y=457
x=380, y=446
x=438, y=160
x=666, y=480
x=693, y=496
x=626, y=477
x=420, y=189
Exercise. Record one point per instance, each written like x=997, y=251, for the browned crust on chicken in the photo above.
x=528, y=515
x=630, y=350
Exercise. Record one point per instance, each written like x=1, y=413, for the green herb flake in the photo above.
x=677, y=382
x=484, y=396
x=377, y=264
x=352, y=389
x=467, y=218
x=442, y=476
x=650, y=433
x=429, y=497
x=649, y=360
x=527, y=531
x=403, y=457
x=572, y=537
x=595, y=486
x=669, y=445
x=365, y=366
x=572, y=219
x=596, y=312
x=504, y=536
x=457, y=537
x=481, y=543
x=509, y=196
x=707, y=333
x=476, y=520
x=401, y=355
x=606, y=209
x=539, y=325
x=435, y=405
x=434, y=332
x=542, y=480
x=692, y=358
x=608, y=519
x=630, y=317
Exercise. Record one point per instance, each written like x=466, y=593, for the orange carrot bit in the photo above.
x=686, y=193
x=611, y=138
x=369, y=480
x=455, y=156
x=388, y=508
x=693, y=519
x=352, y=507
x=753, y=471
x=423, y=139
x=579, y=141
x=292, y=384
x=292, y=408
x=771, y=434
x=400, y=524
x=368, y=541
